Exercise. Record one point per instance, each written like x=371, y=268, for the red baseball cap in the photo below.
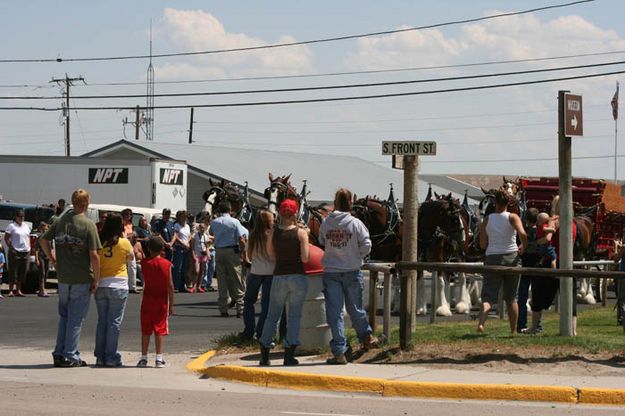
x=288, y=206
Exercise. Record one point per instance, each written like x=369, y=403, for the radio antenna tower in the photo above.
x=149, y=107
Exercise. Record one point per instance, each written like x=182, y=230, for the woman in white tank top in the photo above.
x=498, y=235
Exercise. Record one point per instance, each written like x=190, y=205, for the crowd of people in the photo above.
x=107, y=258
x=499, y=235
x=112, y=258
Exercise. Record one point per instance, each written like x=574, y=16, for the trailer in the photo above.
x=149, y=183
x=598, y=199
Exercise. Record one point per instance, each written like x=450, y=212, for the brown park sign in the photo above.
x=573, y=118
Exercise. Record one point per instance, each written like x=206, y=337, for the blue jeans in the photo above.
x=181, y=260
x=254, y=283
x=74, y=302
x=289, y=289
x=344, y=289
x=111, y=303
x=210, y=270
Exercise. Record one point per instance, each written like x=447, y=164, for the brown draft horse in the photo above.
x=383, y=220
x=224, y=190
x=280, y=189
x=443, y=230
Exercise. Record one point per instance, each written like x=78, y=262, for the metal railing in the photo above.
x=388, y=269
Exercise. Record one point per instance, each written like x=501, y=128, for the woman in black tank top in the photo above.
x=289, y=286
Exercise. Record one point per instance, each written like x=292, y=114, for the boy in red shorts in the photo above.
x=158, y=301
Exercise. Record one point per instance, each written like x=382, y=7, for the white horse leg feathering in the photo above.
x=442, y=304
x=422, y=304
x=463, y=305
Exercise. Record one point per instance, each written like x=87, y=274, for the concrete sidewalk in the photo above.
x=411, y=380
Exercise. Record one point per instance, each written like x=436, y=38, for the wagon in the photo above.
x=598, y=199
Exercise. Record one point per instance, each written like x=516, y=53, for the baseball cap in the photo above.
x=288, y=206
x=166, y=211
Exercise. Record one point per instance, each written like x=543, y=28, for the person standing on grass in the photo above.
x=78, y=272
x=530, y=258
x=17, y=238
x=289, y=246
x=498, y=236
x=112, y=293
x=346, y=242
x=619, y=257
x=157, y=303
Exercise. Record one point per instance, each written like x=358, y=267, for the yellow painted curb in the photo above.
x=198, y=364
x=480, y=391
x=389, y=388
x=307, y=381
x=589, y=395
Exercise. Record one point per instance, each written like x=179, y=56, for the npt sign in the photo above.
x=171, y=176
x=108, y=175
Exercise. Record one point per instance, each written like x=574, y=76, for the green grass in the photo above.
x=596, y=332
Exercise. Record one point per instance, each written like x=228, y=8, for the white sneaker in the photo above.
x=160, y=363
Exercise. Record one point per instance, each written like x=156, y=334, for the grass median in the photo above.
x=597, y=333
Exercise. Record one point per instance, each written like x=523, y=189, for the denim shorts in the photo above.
x=493, y=281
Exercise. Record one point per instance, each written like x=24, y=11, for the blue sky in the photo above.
x=474, y=129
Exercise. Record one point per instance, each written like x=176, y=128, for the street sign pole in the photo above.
x=408, y=151
x=566, y=219
x=408, y=302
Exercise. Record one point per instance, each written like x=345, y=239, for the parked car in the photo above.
x=94, y=210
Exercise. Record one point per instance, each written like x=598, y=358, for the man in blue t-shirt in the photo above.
x=165, y=228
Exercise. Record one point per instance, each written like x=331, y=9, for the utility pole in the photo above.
x=191, y=127
x=68, y=83
x=137, y=123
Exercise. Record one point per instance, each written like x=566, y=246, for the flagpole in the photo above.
x=615, y=114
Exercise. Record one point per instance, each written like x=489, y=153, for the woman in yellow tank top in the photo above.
x=112, y=292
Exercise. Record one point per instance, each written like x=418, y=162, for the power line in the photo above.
x=377, y=145
x=325, y=87
x=363, y=72
x=490, y=126
x=545, y=159
x=330, y=99
x=301, y=43
x=331, y=74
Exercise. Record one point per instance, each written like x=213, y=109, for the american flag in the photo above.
x=614, y=103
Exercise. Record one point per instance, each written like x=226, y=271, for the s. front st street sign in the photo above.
x=409, y=148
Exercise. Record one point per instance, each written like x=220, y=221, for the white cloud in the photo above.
x=514, y=37
x=196, y=30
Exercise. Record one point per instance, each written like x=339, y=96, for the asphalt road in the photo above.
x=64, y=400
x=32, y=322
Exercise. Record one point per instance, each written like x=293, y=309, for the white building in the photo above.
x=323, y=173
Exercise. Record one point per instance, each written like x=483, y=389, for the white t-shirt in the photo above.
x=200, y=243
x=183, y=232
x=20, y=236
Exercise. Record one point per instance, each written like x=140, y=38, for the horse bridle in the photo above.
x=282, y=189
